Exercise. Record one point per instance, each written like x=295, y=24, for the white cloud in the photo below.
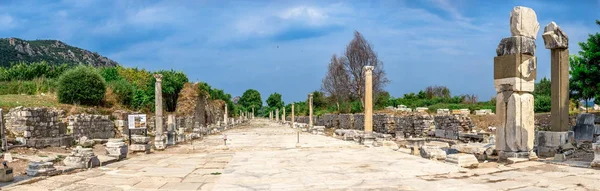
x=310, y=15
x=7, y=22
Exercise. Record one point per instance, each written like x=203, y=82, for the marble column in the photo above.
x=368, y=123
x=277, y=114
x=225, y=115
x=558, y=43
x=3, y=132
x=293, y=115
x=514, y=77
x=283, y=115
x=159, y=140
x=271, y=115
x=310, y=110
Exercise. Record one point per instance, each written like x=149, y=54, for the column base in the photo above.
x=503, y=155
x=596, y=162
x=160, y=143
x=368, y=139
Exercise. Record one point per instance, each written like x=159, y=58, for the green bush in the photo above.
x=124, y=91
x=542, y=103
x=110, y=74
x=81, y=85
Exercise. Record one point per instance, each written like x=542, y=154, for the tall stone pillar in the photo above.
x=277, y=114
x=368, y=137
x=252, y=112
x=271, y=115
x=283, y=115
x=293, y=121
x=514, y=77
x=225, y=115
x=310, y=110
x=558, y=43
x=159, y=140
x=3, y=132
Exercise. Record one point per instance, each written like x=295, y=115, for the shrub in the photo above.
x=542, y=103
x=124, y=91
x=81, y=85
x=110, y=74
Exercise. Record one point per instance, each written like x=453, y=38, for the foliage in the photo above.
x=274, y=101
x=437, y=91
x=251, y=99
x=124, y=91
x=110, y=73
x=30, y=71
x=172, y=83
x=542, y=103
x=35, y=86
x=81, y=85
x=585, y=70
x=544, y=87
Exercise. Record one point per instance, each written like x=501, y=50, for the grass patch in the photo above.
x=10, y=101
x=215, y=173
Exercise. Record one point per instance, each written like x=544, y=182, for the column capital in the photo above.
x=158, y=77
x=368, y=68
x=554, y=37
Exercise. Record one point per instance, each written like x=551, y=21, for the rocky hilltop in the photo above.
x=13, y=50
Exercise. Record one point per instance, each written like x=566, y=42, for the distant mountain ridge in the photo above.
x=14, y=50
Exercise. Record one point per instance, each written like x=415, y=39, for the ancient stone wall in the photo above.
x=91, y=126
x=409, y=125
x=192, y=102
x=35, y=122
x=449, y=126
x=39, y=127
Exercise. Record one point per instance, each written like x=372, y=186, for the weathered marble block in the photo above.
x=116, y=148
x=140, y=148
x=82, y=158
x=515, y=72
x=432, y=152
x=516, y=45
x=548, y=143
x=463, y=160
x=516, y=134
x=139, y=139
x=554, y=37
x=523, y=22
x=40, y=169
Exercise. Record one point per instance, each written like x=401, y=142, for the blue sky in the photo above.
x=285, y=46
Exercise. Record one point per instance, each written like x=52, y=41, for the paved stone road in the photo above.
x=265, y=157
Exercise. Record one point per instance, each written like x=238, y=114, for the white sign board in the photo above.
x=137, y=121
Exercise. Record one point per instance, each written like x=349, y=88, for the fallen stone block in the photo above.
x=432, y=152
x=82, y=158
x=145, y=148
x=549, y=143
x=463, y=160
x=41, y=169
x=116, y=148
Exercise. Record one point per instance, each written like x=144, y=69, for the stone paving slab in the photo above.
x=266, y=156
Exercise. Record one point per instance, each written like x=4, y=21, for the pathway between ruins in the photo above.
x=264, y=156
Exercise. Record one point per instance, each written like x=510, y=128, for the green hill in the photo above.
x=14, y=50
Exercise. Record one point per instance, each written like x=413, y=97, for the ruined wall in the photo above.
x=192, y=102
x=91, y=126
x=39, y=127
x=449, y=126
x=408, y=125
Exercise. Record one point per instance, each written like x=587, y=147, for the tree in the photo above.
x=172, y=83
x=319, y=100
x=274, y=101
x=585, y=70
x=437, y=91
x=544, y=87
x=251, y=99
x=359, y=53
x=81, y=85
x=336, y=83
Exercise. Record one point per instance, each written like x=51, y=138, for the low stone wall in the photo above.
x=448, y=126
x=35, y=122
x=39, y=127
x=91, y=126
